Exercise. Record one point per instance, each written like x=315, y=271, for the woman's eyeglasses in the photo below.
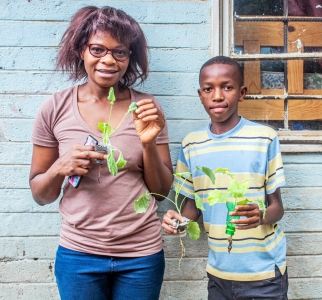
x=99, y=51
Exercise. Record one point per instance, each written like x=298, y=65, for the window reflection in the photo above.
x=258, y=7
x=312, y=8
x=312, y=75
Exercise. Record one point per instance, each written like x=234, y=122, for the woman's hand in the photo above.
x=77, y=161
x=48, y=170
x=251, y=212
x=148, y=120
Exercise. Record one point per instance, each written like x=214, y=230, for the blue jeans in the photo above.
x=84, y=276
x=269, y=289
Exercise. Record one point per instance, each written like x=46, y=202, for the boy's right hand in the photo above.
x=168, y=220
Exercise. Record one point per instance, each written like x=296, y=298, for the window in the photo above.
x=279, y=45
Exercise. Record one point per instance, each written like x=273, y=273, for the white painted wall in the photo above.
x=180, y=37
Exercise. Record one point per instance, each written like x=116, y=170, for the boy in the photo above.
x=256, y=267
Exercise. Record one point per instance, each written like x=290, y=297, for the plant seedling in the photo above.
x=235, y=190
x=107, y=131
x=187, y=226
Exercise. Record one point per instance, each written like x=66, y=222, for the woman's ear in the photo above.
x=243, y=92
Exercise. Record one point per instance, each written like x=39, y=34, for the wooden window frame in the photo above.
x=291, y=141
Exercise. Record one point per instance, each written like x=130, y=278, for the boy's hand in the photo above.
x=168, y=220
x=251, y=212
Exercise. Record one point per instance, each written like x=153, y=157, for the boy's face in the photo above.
x=220, y=91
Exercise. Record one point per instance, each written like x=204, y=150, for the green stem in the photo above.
x=183, y=200
x=120, y=123
x=165, y=198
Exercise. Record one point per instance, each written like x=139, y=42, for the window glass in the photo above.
x=305, y=8
x=283, y=77
x=258, y=7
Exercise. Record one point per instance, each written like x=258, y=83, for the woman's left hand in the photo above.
x=148, y=120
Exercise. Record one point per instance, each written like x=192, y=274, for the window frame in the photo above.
x=223, y=33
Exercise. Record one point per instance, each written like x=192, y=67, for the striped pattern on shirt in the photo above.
x=251, y=151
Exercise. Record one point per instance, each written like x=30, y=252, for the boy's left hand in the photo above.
x=251, y=212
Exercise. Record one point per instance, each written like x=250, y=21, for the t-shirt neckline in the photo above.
x=227, y=134
x=88, y=128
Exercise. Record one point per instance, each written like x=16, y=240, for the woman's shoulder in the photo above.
x=138, y=95
x=58, y=98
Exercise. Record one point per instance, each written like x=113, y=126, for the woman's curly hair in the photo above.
x=89, y=20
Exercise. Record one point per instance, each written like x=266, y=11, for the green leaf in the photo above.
x=106, y=131
x=141, y=205
x=177, y=192
x=238, y=190
x=185, y=175
x=133, y=106
x=101, y=126
x=261, y=206
x=222, y=170
x=111, y=163
x=193, y=230
x=199, y=203
x=111, y=95
x=121, y=162
x=217, y=196
x=243, y=202
x=208, y=172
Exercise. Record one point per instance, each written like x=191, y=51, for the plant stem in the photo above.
x=164, y=198
x=120, y=123
x=183, y=252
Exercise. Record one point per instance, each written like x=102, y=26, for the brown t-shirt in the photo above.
x=100, y=218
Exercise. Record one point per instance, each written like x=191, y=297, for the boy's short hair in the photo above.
x=89, y=20
x=224, y=60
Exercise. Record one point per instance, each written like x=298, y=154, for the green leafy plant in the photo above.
x=141, y=205
x=107, y=131
x=235, y=195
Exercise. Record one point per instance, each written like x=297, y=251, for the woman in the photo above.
x=106, y=250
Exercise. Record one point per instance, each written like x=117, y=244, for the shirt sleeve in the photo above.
x=182, y=182
x=275, y=177
x=42, y=133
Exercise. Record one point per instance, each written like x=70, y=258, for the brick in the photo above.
x=161, y=59
x=20, y=248
x=48, y=34
x=143, y=11
x=30, y=271
x=27, y=291
x=27, y=224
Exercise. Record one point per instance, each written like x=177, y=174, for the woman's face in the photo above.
x=104, y=71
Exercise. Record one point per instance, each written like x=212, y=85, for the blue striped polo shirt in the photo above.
x=251, y=151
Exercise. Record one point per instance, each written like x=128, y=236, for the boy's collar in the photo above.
x=227, y=134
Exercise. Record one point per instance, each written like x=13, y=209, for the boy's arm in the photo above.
x=275, y=209
x=189, y=211
x=274, y=212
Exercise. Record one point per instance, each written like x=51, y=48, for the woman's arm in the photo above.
x=158, y=172
x=157, y=168
x=48, y=170
x=44, y=182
